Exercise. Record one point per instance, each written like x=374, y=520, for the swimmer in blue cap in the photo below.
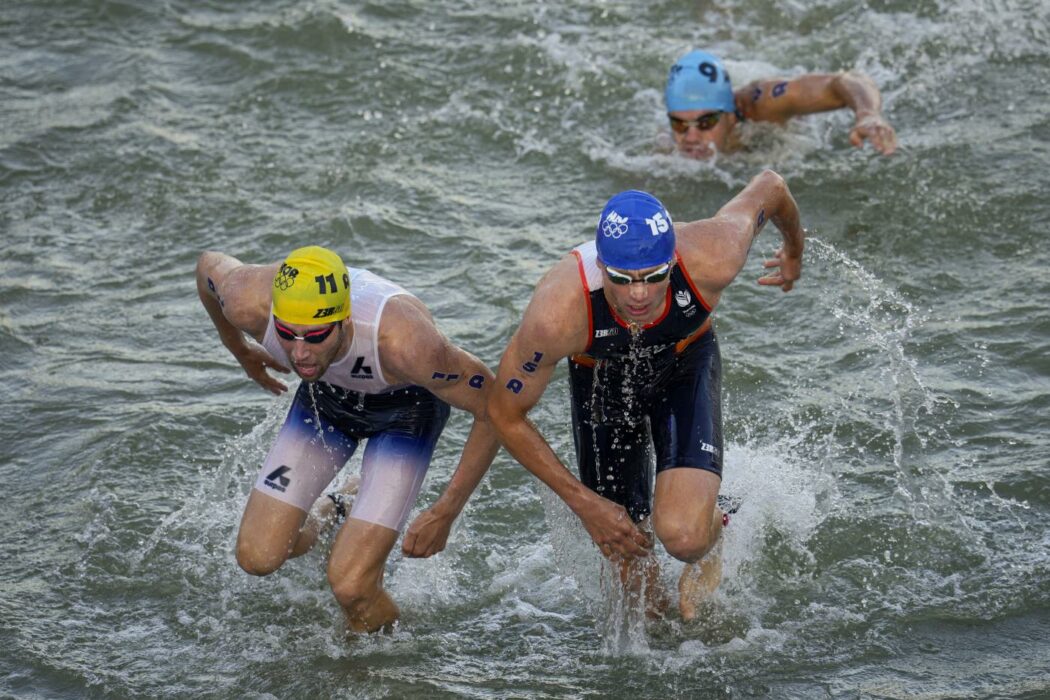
x=632, y=310
x=704, y=109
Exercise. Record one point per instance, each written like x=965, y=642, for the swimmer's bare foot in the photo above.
x=698, y=582
x=657, y=602
x=641, y=580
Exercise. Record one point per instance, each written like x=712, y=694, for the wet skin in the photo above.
x=311, y=360
x=697, y=143
x=639, y=302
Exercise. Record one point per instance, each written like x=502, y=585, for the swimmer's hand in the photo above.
x=255, y=361
x=877, y=131
x=790, y=269
x=612, y=530
x=428, y=533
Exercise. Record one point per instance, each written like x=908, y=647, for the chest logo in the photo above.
x=683, y=297
x=360, y=370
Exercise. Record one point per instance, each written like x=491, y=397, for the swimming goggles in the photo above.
x=313, y=337
x=704, y=122
x=658, y=275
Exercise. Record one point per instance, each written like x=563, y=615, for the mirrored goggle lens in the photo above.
x=657, y=275
x=312, y=337
x=704, y=122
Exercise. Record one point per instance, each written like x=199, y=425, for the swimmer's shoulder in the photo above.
x=247, y=295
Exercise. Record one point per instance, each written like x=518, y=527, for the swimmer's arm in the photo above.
x=413, y=350
x=778, y=100
x=718, y=247
x=554, y=326
x=237, y=299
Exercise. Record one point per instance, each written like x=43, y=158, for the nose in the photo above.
x=300, y=351
x=639, y=290
x=693, y=134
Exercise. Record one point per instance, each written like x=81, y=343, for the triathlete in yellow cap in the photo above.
x=374, y=367
x=311, y=286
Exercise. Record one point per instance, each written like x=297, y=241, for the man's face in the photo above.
x=312, y=349
x=637, y=296
x=700, y=133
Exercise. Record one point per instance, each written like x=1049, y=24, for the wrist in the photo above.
x=579, y=497
x=238, y=348
x=447, y=506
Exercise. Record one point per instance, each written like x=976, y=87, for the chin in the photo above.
x=698, y=154
x=640, y=319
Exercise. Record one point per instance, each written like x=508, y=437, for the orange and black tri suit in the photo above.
x=657, y=385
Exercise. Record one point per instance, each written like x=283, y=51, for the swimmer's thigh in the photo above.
x=687, y=433
x=613, y=457
x=394, y=464
x=304, y=459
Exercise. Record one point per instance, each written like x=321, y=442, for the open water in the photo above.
x=886, y=421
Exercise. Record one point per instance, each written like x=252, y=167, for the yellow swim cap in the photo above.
x=312, y=287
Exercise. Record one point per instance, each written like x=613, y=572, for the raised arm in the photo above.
x=554, y=327
x=237, y=298
x=777, y=100
x=413, y=350
x=716, y=249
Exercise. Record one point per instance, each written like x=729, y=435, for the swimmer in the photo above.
x=704, y=110
x=632, y=312
x=374, y=368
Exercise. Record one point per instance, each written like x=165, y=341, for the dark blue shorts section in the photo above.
x=412, y=412
x=325, y=424
x=621, y=410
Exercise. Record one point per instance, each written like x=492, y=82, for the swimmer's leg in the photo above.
x=268, y=533
x=689, y=525
x=392, y=471
x=301, y=463
x=355, y=573
x=640, y=578
x=324, y=513
x=698, y=581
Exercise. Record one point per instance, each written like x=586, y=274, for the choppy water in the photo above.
x=886, y=421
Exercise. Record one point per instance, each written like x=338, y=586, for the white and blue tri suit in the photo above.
x=352, y=401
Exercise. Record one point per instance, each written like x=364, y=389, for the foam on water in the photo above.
x=882, y=420
x=789, y=481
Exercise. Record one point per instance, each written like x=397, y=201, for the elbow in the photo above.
x=854, y=76
x=499, y=418
x=205, y=264
x=773, y=178
x=495, y=418
x=205, y=271
x=204, y=258
x=775, y=183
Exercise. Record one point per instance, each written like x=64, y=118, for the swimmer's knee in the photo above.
x=259, y=560
x=687, y=542
x=353, y=593
x=686, y=547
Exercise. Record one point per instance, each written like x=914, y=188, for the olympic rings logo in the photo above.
x=286, y=277
x=614, y=225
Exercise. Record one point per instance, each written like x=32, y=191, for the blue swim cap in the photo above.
x=634, y=232
x=698, y=80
